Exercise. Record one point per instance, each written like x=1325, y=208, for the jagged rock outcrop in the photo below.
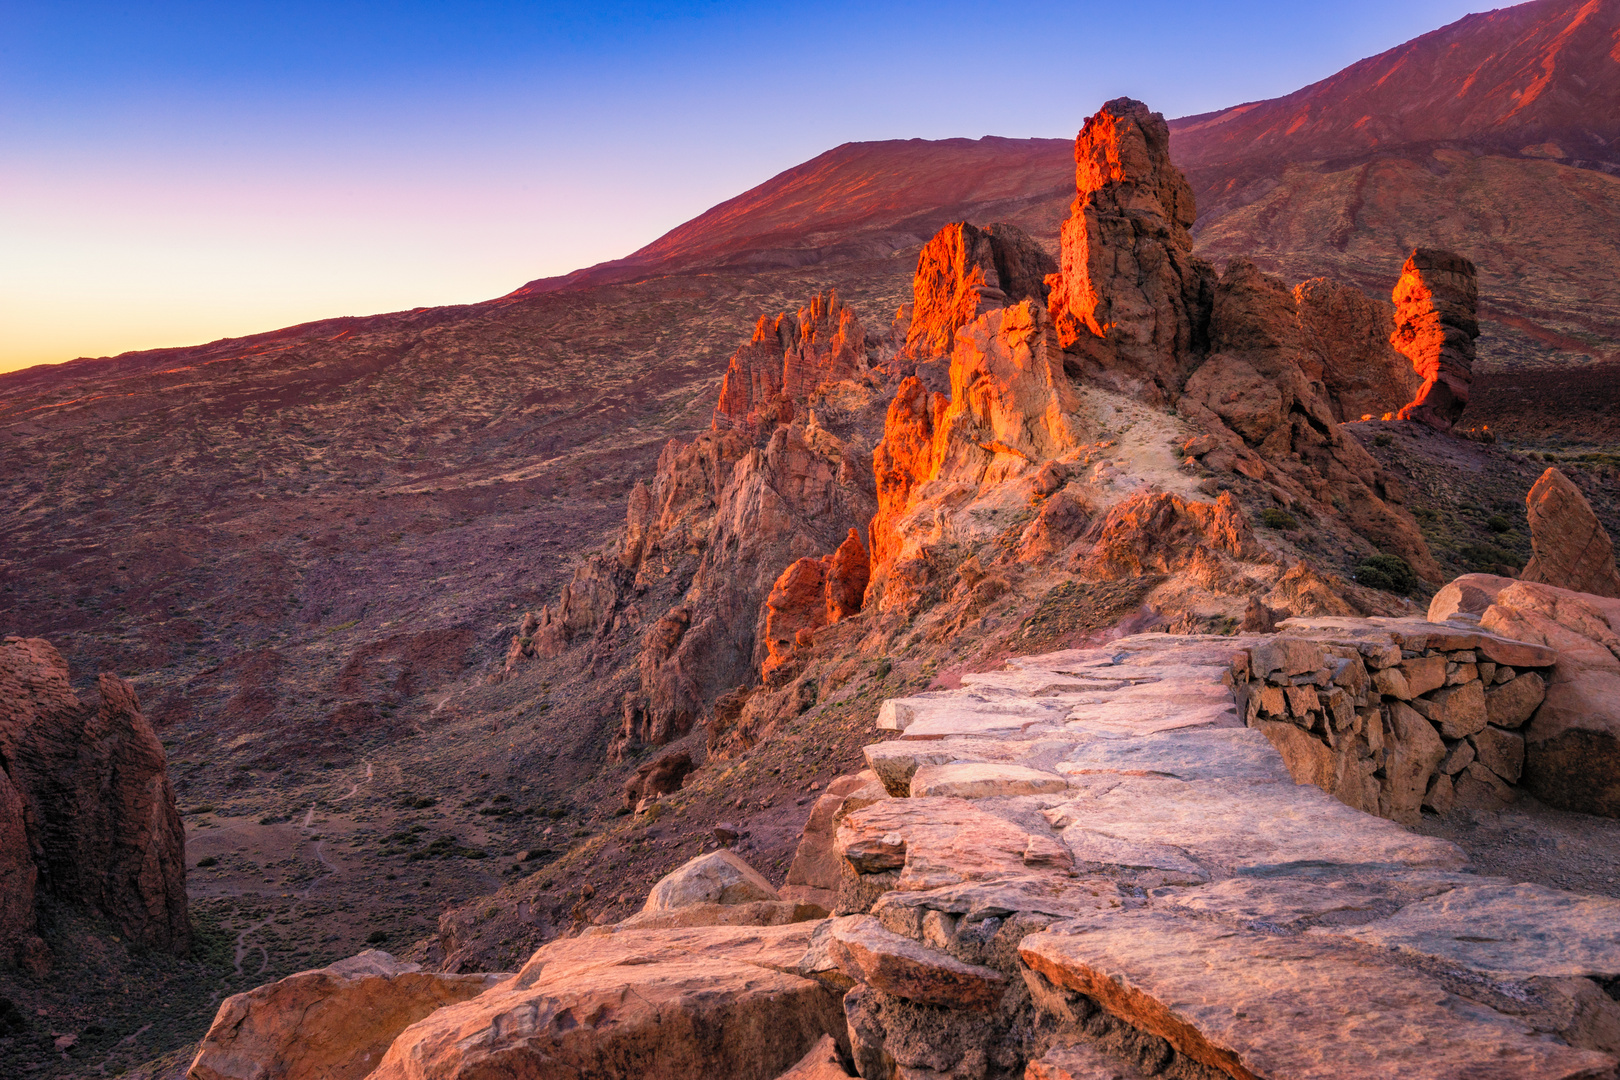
x=87, y=813
x=1274, y=424
x=1569, y=546
x=810, y=594
x=1130, y=297
x=1346, y=339
x=662, y=776
x=1435, y=327
x=1158, y=533
x=788, y=357
x=965, y=271
x=903, y=460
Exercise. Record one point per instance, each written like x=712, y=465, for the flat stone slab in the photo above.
x=1507, y=929
x=1326, y=896
x=983, y=780
x=902, y=967
x=1235, y=827
x=1291, y=1008
x=899, y=714
x=1197, y=754
x=937, y=841
x=1122, y=719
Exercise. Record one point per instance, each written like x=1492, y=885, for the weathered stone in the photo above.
x=1478, y=788
x=1569, y=547
x=717, y=877
x=1080, y=1062
x=1252, y=1005
x=660, y=777
x=1346, y=333
x=966, y=271
x=814, y=875
x=87, y=812
x=685, y=1004
x=1457, y=757
x=902, y=967
x=1423, y=673
x=823, y=1062
x=753, y=913
x=1511, y=703
x=1199, y=754
x=1458, y=711
x=1286, y=655
x=1500, y=751
x=896, y=762
x=983, y=780
x=1441, y=796
x=334, y=1023
x=1412, y=753
x=933, y=841
x=1507, y=929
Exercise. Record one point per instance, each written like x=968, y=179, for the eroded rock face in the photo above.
x=1130, y=296
x=1158, y=533
x=810, y=594
x=903, y=460
x=788, y=357
x=1435, y=328
x=1346, y=337
x=85, y=800
x=965, y=271
x=1569, y=547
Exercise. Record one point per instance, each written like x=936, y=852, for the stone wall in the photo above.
x=1391, y=716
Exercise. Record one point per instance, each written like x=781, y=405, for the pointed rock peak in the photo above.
x=1435, y=328
x=1130, y=297
x=1126, y=145
x=1569, y=547
x=788, y=357
x=966, y=270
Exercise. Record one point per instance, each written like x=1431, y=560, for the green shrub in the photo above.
x=1274, y=518
x=1498, y=523
x=1383, y=438
x=1387, y=572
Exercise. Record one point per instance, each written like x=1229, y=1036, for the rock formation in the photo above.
x=1435, y=327
x=788, y=358
x=1569, y=547
x=965, y=271
x=1130, y=297
x=1346, y=341
x=810, y=594
x=87, y=814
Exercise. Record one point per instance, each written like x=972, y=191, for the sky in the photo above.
x=173, y=173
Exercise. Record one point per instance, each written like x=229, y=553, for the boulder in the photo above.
x=1569, y=547
x=965, y=271
x=87, y=812
x=718, y=877
x=1435, y=328
x=677, y=1004
x=1572, y=743
x=333, y=1023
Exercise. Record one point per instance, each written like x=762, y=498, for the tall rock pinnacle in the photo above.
x=965, y=271
x=1129, y=292
x=1435, y=327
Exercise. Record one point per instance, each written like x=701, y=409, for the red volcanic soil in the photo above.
x=1506, y=81
x=861, y=200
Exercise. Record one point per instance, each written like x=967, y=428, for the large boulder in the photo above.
x=333, y=1023
x=1435, y=327
x=87, y=813
x=718, y=877
x=1569, y=546
x=1345, y=334
x=679, y=1004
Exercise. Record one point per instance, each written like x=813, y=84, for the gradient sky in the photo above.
x=178, y=172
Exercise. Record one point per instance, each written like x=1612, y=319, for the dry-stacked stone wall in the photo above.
x=1391, y=716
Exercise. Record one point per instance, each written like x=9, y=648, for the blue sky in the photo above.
x=172, y=173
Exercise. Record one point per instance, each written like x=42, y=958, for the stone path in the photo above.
x=1174, y=876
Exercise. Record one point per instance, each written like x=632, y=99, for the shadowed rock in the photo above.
x=1569, y=547
x=965, y=271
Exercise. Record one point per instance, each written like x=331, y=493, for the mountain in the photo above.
x=1497, y=136
x=859, y=200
